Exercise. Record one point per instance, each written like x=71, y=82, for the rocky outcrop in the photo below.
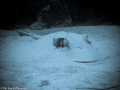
x=54, y=14
x=40, y=14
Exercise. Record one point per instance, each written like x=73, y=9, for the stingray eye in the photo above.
x=60, y=42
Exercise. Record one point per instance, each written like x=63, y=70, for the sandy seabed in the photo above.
x=38, y=65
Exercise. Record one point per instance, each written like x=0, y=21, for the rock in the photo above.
x=67, y=22
x=55, y=14
x=60, y=42
x=37, y=25
x=44, y=83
